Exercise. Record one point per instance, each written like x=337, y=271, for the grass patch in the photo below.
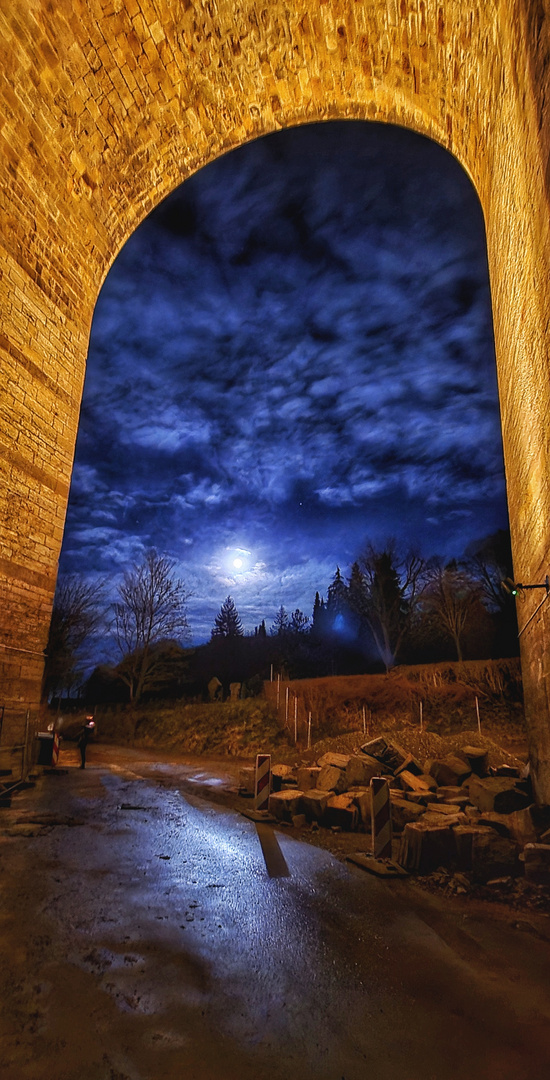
x=234, y=728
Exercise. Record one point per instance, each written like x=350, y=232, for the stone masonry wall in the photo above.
x=107, y=105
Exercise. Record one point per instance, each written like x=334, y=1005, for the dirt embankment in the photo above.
x=443, y=699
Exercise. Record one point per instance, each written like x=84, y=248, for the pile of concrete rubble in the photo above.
x=455, y=811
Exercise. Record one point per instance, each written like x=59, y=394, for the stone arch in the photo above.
x=105, y=107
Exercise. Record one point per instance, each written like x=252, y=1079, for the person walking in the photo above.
x=84, y=738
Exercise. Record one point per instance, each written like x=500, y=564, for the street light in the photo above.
x=514, y=587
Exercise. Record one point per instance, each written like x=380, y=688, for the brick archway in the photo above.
x=105, y=108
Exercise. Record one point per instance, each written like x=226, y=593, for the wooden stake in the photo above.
x=478, y=719
x=286, y=705
x=364, y=721
x=278, y=691
x=271, y=677
x=309, y=732
x=295, y=720
x=421, y=718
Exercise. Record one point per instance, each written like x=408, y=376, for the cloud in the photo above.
x=293, y=353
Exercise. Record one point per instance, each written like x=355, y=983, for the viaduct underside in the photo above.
x=107, y=105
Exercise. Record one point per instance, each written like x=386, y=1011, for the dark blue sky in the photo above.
x=292, y=356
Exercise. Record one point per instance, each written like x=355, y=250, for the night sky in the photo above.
x=292, y=356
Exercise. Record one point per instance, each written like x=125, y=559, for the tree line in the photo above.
x=394, y=607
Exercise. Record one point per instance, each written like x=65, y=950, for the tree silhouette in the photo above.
x=452, y=597
x=392, y=588
x=227, y=623
x=280, y=624
x=151, y=608
x=75, y=618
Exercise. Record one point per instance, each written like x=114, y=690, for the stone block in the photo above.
x=497, y=822
x=404, y=812
x=537, y=863
x=510, y=771
x=464, y=836
x=331, y=778
x=421, y=785
x=387, y=752
x=477, y=757
x=360, y=770
x=493, y=856
x=362, y=799
x=339, y=761
x=411, y=764
x=425, y=847
x=299, y=820
x=449, y=791
x=522, y=828
x=497, y=793
x=313, y=803
x=450, y=770
x=459, y=801
x=445, y=809
x=307, y=777
x=280, y=774
x=285, y=804
x=431, y=817
x=341, y=812
x=517, y=826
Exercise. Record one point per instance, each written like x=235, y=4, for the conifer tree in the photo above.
x=227, y=622
x=280, y=624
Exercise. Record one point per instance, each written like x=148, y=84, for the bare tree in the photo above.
x=384, y=592
x=77, y=614
x=151, y=608
x=451, y=597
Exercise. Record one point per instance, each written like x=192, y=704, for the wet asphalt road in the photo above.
x=147, y=942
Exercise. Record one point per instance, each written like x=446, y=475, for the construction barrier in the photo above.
x=262, y=784
x=381, y=818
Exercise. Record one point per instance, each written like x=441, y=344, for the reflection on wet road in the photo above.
x=151, y=943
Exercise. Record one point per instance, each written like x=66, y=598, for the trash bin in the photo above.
x=46, y=743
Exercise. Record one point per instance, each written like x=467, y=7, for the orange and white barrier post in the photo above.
x=55, y=749
x=262, y=784
x=381, y=818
